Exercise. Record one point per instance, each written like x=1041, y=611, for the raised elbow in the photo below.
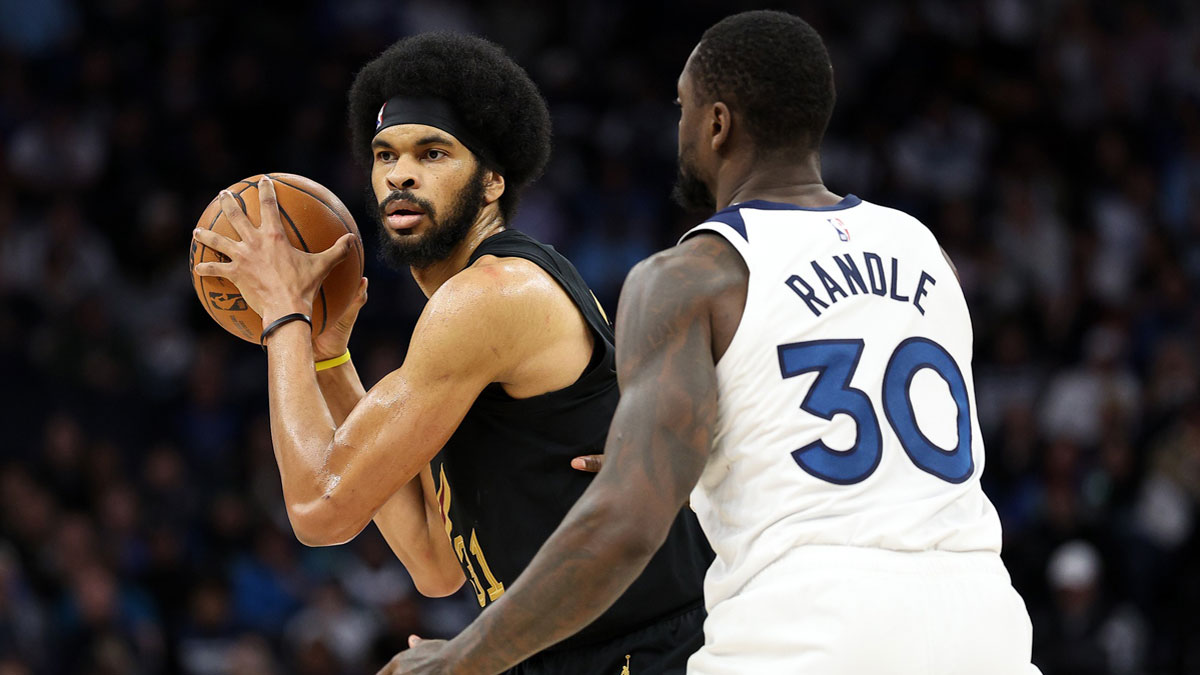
x=314, y=538
x=317, y=525
x=439, y=586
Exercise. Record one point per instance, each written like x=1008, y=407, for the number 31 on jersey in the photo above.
x=494, y=588
x=835, y=361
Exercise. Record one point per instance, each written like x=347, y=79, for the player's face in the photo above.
x=691, y=190
x=429, y=189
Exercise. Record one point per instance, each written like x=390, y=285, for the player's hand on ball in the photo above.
x=333, y=341
x=425, y=657
x=274, y=277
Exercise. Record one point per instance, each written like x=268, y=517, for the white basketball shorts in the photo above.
x=833, y=610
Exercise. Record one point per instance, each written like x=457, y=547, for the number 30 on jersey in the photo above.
x=835, y=361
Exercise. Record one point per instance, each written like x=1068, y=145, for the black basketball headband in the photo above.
x=434, y=112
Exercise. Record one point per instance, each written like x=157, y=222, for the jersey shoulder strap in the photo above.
x=730, y=226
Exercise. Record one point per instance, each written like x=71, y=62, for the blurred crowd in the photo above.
x=1053, y=146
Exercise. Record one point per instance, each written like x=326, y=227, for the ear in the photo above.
x=722, y=125
x=493, y=186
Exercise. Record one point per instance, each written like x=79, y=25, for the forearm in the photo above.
x=410, y=521
x=342, y=390
x=302, y=426
x=600, y=548
x=412, y=524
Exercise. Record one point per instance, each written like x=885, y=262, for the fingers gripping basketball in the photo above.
x=313, y=219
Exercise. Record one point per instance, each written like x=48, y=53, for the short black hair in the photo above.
x=491, y=94
x=773, y=68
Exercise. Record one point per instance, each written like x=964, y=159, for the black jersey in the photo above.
x=505, y=479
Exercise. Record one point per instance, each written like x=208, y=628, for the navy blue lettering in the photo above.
x=896, y=281
x=851, y=273
x=878, y=283
x=921, y=290
x=827, y=281
x=807, y=295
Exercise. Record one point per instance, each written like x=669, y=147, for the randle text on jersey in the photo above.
x=827, y=291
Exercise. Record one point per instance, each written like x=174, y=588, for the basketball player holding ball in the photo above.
x=462, y=456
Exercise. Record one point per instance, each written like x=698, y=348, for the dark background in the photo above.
x=1052, y=146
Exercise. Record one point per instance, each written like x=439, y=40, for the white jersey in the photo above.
x=846, y=405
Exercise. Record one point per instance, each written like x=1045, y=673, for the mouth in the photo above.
x=403, y=215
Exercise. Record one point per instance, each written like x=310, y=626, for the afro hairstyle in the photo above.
x=492, y=95
x=773, y=68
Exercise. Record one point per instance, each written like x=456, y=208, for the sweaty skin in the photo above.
x=347, y=456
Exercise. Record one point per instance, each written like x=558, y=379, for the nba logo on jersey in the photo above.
x=842, y=230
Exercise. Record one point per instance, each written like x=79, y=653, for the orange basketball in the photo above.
x=314, y=219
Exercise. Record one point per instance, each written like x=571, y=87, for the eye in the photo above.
x=384, y=156
x=434, y=153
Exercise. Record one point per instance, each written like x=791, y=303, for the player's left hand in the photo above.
x=274, y=277
x=427, y=657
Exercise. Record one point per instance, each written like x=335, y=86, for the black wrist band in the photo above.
x=274, y=326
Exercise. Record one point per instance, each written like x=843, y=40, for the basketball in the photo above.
x=314, y=219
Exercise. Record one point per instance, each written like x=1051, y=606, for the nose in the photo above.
x=403, y=176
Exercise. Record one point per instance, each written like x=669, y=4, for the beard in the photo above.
x=403, y=251
x=690, y=191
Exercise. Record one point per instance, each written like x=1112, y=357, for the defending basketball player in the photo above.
x=800, y=365
x=462, y=457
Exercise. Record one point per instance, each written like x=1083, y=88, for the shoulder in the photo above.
x=698, y=285
x=503, y=310
x=481, y=320
x=697, y=270
x=494, y=288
